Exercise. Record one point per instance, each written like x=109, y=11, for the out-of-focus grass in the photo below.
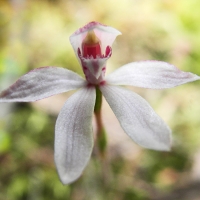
x=35, y=34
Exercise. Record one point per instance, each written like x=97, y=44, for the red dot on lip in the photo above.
x=102, y=82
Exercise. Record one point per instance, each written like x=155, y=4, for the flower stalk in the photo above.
x=101, y=133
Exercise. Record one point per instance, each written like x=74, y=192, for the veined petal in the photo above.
x=137, y=118
x=150, y=74
x=41, y=83
x=73, y=135
x=105, y=34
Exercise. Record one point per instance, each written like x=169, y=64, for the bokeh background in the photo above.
x=35, y=33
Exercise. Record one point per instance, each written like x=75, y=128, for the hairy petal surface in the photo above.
x=137, y=118
x=73, y=135
x=150, y=74
x=41, y=83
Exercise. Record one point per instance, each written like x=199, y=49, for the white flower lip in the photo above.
x=106, y=35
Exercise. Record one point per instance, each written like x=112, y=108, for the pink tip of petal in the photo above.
x=87, y=27
x=102, y=83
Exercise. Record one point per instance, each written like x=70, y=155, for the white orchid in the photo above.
x=73, y=132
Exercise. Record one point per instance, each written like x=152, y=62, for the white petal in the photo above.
x=41, y=83
x=150, y=74
x=106, y=35
x=73, y=135
x=137, y=118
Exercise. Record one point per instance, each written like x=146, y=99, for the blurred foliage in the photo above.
x=35, y=33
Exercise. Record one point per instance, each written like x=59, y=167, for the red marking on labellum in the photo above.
x=93, y=50
x=103, y=82
x=108, y=51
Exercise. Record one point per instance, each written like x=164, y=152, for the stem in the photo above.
x=98, y=102
x=101, y=134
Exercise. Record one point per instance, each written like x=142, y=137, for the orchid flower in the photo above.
x=73, y=131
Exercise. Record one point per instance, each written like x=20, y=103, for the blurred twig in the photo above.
x=188, y=192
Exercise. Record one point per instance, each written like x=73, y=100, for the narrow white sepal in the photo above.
x=73, y=135
x=150, y=74
x=41, y=83
x=137, y=118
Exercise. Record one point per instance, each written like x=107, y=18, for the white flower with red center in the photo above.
x=73, y=132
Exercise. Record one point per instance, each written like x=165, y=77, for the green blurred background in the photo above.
x=35, y=33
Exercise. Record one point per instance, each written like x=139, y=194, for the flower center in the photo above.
x=91, y=45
